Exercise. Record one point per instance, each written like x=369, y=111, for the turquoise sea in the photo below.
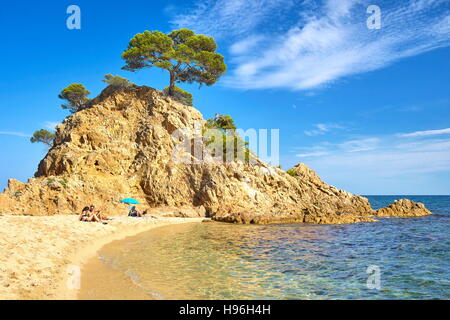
x=294, y=261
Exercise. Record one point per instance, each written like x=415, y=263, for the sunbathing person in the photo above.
x=134, y=212
x=97, y=213
x=88, y=216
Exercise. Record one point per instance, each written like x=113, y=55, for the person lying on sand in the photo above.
x=97, y=212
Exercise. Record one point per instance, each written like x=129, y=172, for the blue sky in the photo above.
x=369, y=110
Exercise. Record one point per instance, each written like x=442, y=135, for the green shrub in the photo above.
x=220, y=134
x=292, y=172
x=221, y=122
x=233, y=147
x=76, y=96
x=117, y=82
x=43, y=136
x=180, y=95
x=63, y=182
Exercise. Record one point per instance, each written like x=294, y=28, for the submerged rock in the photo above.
x=125, y=144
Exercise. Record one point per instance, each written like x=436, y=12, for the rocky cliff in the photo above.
x=125, y=144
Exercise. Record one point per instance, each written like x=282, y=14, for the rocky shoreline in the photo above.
x=132, y=152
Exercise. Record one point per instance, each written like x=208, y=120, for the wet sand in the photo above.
x=100, y=281
x=39, y=254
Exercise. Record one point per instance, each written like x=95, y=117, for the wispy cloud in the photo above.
x=389, y=169
x=347, y=146
x=244, y=46
x=426, y=133
x=14, y=133
x=315, y=43
x=359, y=145
x=387, y=156
x=322, y=128
x=51, y=125
x=224, y=18
x=311, y=154
x=336, y=43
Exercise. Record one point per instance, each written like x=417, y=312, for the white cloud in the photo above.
x=311, y=154
x=335, y=46
x=222, y=18
x=359, y=145
x=51, y=125
x=13, y=133
x=443, y=27
x=322, y=128
x=327, y=40
x=244, y=46
x=387, y=156
x=389, y=162
x=426, y=133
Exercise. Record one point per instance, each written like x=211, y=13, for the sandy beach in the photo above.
x=38, y=254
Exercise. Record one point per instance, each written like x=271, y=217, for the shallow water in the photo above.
x=292, y=261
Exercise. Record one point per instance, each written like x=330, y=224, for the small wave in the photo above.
x=136, y=280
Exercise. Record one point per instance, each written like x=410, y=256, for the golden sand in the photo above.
x=37, y=254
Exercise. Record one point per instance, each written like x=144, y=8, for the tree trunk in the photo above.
x=172, y=84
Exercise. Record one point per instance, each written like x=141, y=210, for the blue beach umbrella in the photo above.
x=129, y=201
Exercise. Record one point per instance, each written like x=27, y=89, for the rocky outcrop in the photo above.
x=403, y=208
x=126, y=143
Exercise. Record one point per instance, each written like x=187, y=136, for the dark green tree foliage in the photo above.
x=116, y=81
x=186, y=56
x=221, y=122
x=180, y=95
x=76, y=96
x=220, y=132
x=43, y=136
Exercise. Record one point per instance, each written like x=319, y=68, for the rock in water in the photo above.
x=126, y=144
x=403, y=208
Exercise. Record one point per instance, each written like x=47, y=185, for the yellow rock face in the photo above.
x=125, y=144
x=404, y=208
